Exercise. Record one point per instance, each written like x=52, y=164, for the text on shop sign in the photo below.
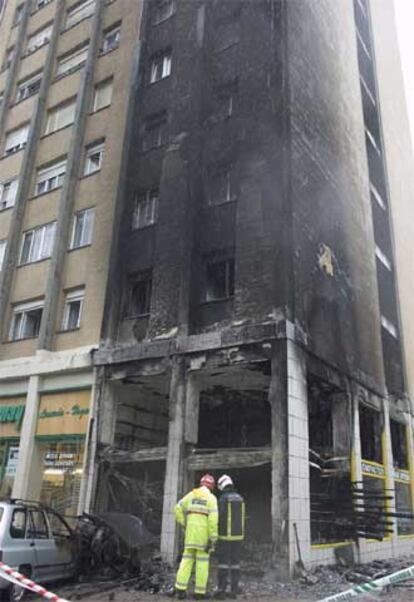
x=11, y=413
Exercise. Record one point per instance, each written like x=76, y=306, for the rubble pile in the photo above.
x=323, y=581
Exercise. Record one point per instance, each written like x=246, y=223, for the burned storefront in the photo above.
x=245, y=328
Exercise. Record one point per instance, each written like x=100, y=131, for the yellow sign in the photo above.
x=11, y=416
x=64, y=414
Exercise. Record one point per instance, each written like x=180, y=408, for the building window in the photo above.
x=73, y=309
x=39, y=39
x=51, y=177
x=371, y=138
x=103, y=95
x=219, y=279
x=383, y=258
x=146, y=209
x=140, y=288
x=160, y=67
x=163, y=9
x=61, y=116
x=94, y=158
x=28, y=87
x=389, y=327
x=3, y=244
x=111, y=38
x=18, y=15
x=37, y=244
x=26, y=320
x=155, y=132
x=224, y=101
x=16, y=140
x=38, y=4
x=80, y=11
x=82, y=230
x=8, y=191
x=221, y=186
x=70, y=62
x=8, y=58
x=378, y=198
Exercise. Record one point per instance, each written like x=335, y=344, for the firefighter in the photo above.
x=197, y=513
x=231, y=535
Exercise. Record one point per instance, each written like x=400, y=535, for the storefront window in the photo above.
x=62, y=475
x=402, y=478
x=9, y=455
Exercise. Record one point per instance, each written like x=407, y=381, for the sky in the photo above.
x=405, y=20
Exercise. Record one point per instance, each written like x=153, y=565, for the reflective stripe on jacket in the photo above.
x=232, y=516
x=197, y=513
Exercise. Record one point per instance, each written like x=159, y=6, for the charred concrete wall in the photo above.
x=267, y=94
x=335, y=287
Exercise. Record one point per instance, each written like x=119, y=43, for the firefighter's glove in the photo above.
x=211, y=547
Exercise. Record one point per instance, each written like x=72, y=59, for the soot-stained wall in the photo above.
x=298, y=221
x=336, y=299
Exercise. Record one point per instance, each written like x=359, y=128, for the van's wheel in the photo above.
x=15, y=592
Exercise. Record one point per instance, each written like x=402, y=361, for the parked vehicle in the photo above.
x=36, y=541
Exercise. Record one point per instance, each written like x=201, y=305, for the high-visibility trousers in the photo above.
x=202, y=562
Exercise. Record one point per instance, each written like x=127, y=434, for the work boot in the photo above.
x=180, y=594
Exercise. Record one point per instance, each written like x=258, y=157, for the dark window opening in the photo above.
x=219, y=279
x=234, y=418
x=163, y=10
x=155, y=132
x=370, y=428
x=221, y=186
x=140, y=289
x=399, y=444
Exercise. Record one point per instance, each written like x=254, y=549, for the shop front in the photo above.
x=60, y=442
x=11, y=417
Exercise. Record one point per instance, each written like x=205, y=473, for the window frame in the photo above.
x=230, y=276
x=36, y=245
x=3, y=201
x=99, y=87
x=77, y=8
x=160, y=66
x=84, y=243
x=44, y=40
x=3, y=247
x=93, y=149
x=74, y=296
x=68, y=56
x=157, y=20
x=21, y=145
x=23, y=85
x=54, y=114
x=109, y=31
x=50, y=169
x=152, y=122
x=149, y=197
x=23, y=309
x=145, y=279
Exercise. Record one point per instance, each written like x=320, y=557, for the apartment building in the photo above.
x=257, y=306
x=67, y=69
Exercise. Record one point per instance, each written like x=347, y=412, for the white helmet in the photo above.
x=224, y=481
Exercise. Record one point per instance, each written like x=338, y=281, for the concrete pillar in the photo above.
x=290, y=455
x=356, y=466
x=28, y=463
x=174, y=465
x=388, y=461
x=106, y=411
x=90, y=467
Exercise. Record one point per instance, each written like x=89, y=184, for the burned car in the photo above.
x=38, y=542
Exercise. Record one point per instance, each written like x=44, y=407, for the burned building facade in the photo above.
x=251, y=322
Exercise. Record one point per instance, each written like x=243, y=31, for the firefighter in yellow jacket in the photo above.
x=197, y=513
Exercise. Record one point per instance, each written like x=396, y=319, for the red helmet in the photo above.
x=208, y=481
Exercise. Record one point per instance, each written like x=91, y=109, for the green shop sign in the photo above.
x=11, y=414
